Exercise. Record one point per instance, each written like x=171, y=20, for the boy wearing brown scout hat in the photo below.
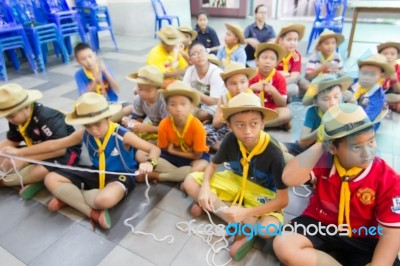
x=190, y=36
x=353, y=218
x=32, y=123
x=253, y=182
x=391, y=85
x=269, y=84
x=368, y=92
x=111, y=148
x=165, y=56
x=148, y=103
x=233, y=51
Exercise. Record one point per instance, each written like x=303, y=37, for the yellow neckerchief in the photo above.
x=285, y=61
x=22, y=129
x=361, y=90
x=90, y=76
x=344, y=202
x=320, y=113
x=381, y=81
x=229, y=52
x=323, y=59
x=102, y=157
x=267, y=79
x=258, y=149
x=181, y=136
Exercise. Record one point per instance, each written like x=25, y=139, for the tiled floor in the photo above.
x=30, y=235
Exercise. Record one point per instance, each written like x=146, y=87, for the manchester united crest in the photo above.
x=366, y=196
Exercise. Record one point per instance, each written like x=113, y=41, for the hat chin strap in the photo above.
x=93, y=114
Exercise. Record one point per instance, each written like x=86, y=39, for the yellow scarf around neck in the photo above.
x=229, y=52
x=267, y=79
x=90, y=75
x=245, y=161
x=285, y=62
x=182, y=136
x=22, y=128
x=325, y=60
x=345, y=194
x=102, y=157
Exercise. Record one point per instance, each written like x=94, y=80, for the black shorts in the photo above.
x=87, y=180
x=350, y=251
x=180, y=161
x=71, y=157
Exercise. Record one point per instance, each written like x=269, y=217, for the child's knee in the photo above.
x=190, y=183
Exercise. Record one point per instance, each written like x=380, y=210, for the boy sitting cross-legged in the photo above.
x=253, y=184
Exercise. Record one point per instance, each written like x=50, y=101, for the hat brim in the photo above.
x=344, y=82
x=215, y=62
x=249, y=72
x=269, y=114
x=238, y=33
x=385, y=45
x=280, y=51
x=387, y=68
x=33, y=96
x=73, y=119
x=180, y=38
x=176, y=92
x=192, y=33
x=382, y=114
x=134, y=78
x=339, y=38
x=300, y=29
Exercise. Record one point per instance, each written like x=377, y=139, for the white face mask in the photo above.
x=367, y=79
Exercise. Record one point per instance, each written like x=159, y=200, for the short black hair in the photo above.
x=246, y=111
x=81, y=46
x=328, y=89
x=193, y=44
x=336, y=142
x=202, y=12
x=258, y=7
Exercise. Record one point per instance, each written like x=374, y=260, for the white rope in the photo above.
x=141, y=208
x=208, y=232
x=56, y=165
x=306, y=195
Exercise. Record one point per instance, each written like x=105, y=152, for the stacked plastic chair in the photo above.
x=96, y=18
x=39, y=32
x=161, y=15
x=329, y=14
x=67, y=21
x=12, y=36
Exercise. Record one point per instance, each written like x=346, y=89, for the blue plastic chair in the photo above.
x=96, y=18
x=67, y=21
x=329, y=14
x=12, y=36
x=161, y=15
x=39, y=32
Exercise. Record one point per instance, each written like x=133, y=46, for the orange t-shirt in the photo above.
x=195, y=137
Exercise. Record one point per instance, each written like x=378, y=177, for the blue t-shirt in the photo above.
x=118, y=159
x=312, y=118
x=239, y=55
x=83, y=81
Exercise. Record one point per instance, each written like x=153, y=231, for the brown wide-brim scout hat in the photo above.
x=330, y=34
x=170, y=35
x=279, y=50
x=299, y=28
x=237, y=68
x=13, y=98
x=385, y=45
x=345, y=119
x=212, y=58
x=237, y=30
x=188, y=29
x=321, y=83
x=149, y=75
x=90, y=108
x=247, y=102
x=180, y=88
x=379, y=61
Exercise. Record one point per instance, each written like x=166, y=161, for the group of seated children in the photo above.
x=169, y=130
